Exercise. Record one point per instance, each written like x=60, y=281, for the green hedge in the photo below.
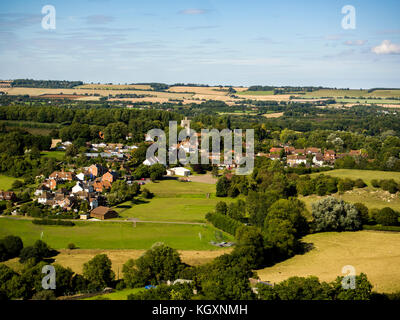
x=382, y=228
x=53, y=222
x=223, y=222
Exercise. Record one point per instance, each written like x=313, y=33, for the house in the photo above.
x=78, y=187
x=313, y=151
x=355, y=153
x=273, y=156
x=82, y=176
x=299, y=151
x=275, y=150
x=96, y=170
x=289, y=150
x=318, y=160
x=103, y=213
x=82, y=187
x=100, y=185
x=93, y=203
x=45, y=197
x=109, y=176
x=150, y=161
x=329, y=155
x=7, y=195
x=295, y=160
x=62, y=175
x=185, y=123
x=42, y=188
x=181, y=171
x=53, y=184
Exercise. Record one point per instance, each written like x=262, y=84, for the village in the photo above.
x=309, y=156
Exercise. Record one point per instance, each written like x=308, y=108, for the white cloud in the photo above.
x=386, y=47
x=355, y=42
x=193, y=11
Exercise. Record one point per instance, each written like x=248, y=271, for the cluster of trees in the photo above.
x=56, y=84
x=325, y=185
x=310, y=288
x=121, y=192
x=27, y=283
x=223, y=222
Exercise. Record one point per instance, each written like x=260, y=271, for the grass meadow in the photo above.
x=6, y=182
x=113, y=235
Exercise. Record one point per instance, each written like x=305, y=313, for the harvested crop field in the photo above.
x=75, y=259
x=374, y=253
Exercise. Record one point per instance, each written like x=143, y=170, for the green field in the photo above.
x=173, y=201
x=169, y=209
x=6, y=182
x=174, y=188
x=113, y=235
x=366, y=175
x=118, y=295
x=255, y=93
x=58, y=155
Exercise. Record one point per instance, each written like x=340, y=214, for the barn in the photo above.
x=103, y=213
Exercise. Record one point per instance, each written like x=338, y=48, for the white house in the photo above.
x=180, y=171
x=150, y=161
x=78, y=187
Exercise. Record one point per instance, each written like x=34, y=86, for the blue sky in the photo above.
x=215, y=42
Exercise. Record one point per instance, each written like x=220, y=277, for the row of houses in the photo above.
x=88, y=186
x=315, y=156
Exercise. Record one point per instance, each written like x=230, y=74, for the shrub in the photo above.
x=56, y=222
x=387, y=217
x=11, y=247
x=71, y=246
x=375, y=183
x=147, y=194
x=44, y=295
x=363, y=211
x=359, y=183
x=345, y=185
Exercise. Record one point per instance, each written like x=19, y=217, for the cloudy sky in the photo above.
x=215, y=42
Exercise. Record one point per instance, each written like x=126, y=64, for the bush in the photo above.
x=147, y=194
x=387, y=217
x=382, y=228
x=221, y=208
x=375, y=183
x=363, y=211
x=36, y=252
x=57, y=222
x=71, y=246
x=359, y=183
x=345, y=185
x=10, y=247
x=44, y=295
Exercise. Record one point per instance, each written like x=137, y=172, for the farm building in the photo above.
x=179, y=171
x=103, y=213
